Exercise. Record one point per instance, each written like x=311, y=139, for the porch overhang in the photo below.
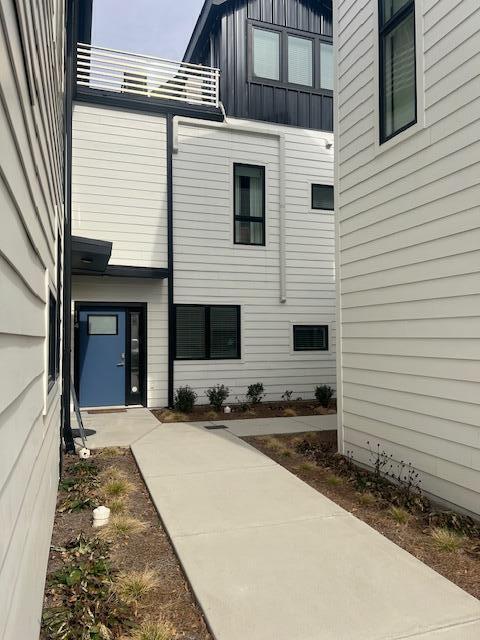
x=91, y=257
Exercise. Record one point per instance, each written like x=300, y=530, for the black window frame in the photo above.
x=321, y=184
x=284, y=32
x=207, y=308
x=384, y=30
x=52, y=350
x=310, y=326
x=240, y=218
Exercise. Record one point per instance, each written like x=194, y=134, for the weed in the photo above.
x=185, y=399
x=133, y=586
x=447, y=540
x=333, y=480
x=366, y=499
x=121, y=526
x=323, y=394
x=399, y=515
x=80, y=483
x=116, y=487
x=154, y=631
x=255, y=393
x=217, y=395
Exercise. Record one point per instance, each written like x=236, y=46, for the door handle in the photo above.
x=122, y=363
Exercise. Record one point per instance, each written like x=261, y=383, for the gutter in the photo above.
x=247, y=128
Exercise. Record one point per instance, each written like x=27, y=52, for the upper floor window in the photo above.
x=322, y=197
x=398, y=94
x=266, y=54
x=249, y=204
x=291, y=56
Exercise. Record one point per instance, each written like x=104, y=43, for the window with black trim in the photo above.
x=52, y=340
x=249, y=204
x=205, y=332
x=322, y=197
x=398, y=86
x=285, y=56
x=309, y=337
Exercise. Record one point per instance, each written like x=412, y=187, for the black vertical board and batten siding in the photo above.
x=256, y=100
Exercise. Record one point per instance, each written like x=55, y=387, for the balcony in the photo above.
x=146, y=77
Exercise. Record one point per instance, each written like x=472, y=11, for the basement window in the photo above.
x=308, y=337
x=204, y=332
x=322, y=197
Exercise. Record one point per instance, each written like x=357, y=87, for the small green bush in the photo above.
x=185, y=399
x=323, y=394
x=217, y=395
x=255, y=393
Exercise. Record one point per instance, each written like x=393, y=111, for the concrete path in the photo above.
x=270, y=558
x=116, y=429
x=275, y=426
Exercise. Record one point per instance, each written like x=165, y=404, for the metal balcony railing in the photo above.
x=131, y=73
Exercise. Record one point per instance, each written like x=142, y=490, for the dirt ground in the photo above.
x=461, y=567
x=240, y=412
x=150, y=549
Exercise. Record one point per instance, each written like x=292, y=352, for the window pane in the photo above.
x=190, y=332
x=322, y=197
x=300, y=59
x=223, y=332
x=390, y=8
x=248, y=191
x=399, y=100
x=52, y=338
x=310, y=338
x=135, y=352
x=102, y=325
x=326, y=66
x=266, y=54
x=248, y=232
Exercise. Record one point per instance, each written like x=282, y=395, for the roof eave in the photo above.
x=207, y=14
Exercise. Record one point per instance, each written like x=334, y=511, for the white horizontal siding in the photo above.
x=154, y=293
x=119, y=183
x=210, y=269
x=408, y=254
x=31, y=206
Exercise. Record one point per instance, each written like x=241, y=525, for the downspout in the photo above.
x=67, y=234
x=170, y=257
x=247, y=128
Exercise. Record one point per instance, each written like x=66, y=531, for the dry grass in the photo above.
x=109, y=452
x=173, y=416
x=447, y=540
x=308, y=467
x=367, y=499
x=399, y=515
x=117, y=505
x=276, y=446
x=333, y=480
x=211, y=415
x=154, y=631
x=131, y=587
x=289, y=412
x=121, y=526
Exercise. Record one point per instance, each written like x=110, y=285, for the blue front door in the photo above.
x=101, y=356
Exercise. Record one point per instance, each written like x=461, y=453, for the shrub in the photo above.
x=185, y=399
x=323, y=394
x=217, y=395
x=255, y=393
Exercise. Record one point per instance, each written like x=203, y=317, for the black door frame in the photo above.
x=128, y=307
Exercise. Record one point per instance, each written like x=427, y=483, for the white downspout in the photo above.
x=247, y=128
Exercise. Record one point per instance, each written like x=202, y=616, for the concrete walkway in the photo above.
x=275, y=426
x=270, y=558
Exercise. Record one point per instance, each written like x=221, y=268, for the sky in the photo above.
x=155, y=27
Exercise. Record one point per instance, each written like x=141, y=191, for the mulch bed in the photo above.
x=149, y=549
x=278, y=409
x=461, y=567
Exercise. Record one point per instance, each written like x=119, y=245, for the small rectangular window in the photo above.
x=398, y=93
x=207, y=332
x=310, y=337
x=249, y=204
x=266, y=54
x=322, y=197
x=102, y=325
x=300, y=60
x=326, y=66
x=52, y=340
